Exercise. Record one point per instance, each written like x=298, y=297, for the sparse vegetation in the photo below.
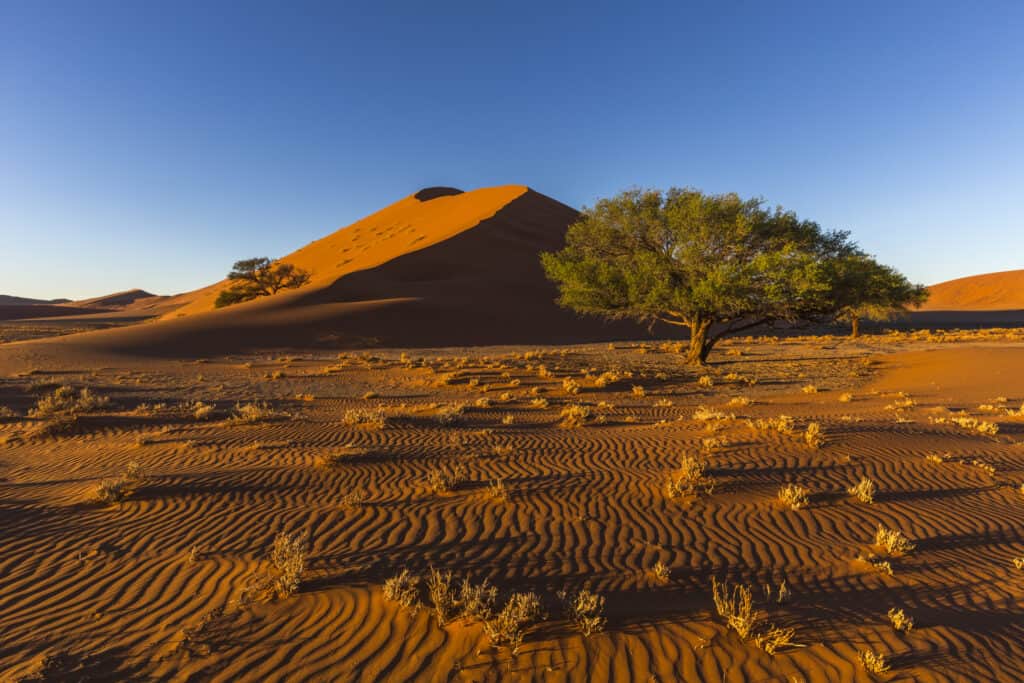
x=873, y=661
x=257, y=411
x=899, y=620
x=864, y=490
x=892, y=542
x=584, y=610
x=794, y=496
x=689, y=478
x=403, y=588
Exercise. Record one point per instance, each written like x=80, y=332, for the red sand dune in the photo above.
x=438, y=268
x=1002, y=291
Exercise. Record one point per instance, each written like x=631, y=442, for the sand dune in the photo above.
x=119, y=300
x=1002, y=291
x=441, y=267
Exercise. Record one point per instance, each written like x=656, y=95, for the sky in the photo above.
x=153, y=144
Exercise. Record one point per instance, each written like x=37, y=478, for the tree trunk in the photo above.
x=855, y=327
x=700, y=345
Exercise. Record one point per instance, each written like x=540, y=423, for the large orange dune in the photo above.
x=1002, y=291
x=439, y=267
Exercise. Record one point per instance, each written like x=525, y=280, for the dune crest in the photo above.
x=1002, y=291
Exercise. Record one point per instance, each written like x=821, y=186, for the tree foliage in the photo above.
x=715, y=264
x=869, y=290
x=258, y=277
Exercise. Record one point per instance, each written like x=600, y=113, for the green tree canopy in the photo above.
x=715, y=264
x=869, y=290
x=257, y=277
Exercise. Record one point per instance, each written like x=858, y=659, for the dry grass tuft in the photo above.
x=584, y=610
x=66, y=401
x=690, y=477
x=257, y=411
x=813, y=435
x=661, y=572
x=403, y=588
x=116, y=491
x=873, y=661
x=899, y=620
x=892, y=542
x=365, y=418
x=864, y=490
x=794, y=496
x=574, y=416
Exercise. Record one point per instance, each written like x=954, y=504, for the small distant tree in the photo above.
x=869, y=290
x=715, y=264
x=258, y=277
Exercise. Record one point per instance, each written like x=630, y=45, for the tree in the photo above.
x=257, y=277
x=869, y=290
x=715, y=264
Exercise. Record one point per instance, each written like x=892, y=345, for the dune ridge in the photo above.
x=1002, y=291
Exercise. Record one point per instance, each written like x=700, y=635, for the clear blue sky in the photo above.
x=151, y=144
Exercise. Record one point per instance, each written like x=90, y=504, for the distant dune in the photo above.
x=118, y=300
x=440, y=267
x=1002, y=291
x=8, y=300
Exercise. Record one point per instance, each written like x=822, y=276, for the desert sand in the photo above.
x=423, y=405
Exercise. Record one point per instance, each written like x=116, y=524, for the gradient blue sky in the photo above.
x=147, y=144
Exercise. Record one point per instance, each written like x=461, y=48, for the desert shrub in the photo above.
x=873, y=661
x=442, y=595
x=661, y=572
x=288, y=558
x=709, y=444
x=864, y=490
x=809, y=389
x=403, y=588
x=735, y=604
x=772, y=639
x=450, y=416
x=1018, y=562
x=845, y=397
x=445, y=479
x=705, y=381
x=57, y=425
x=116, y=491
x=899, y=620
x=794, y=496
x=477, y=601
x=508, y=627
x=570, y=386
x=783, y=424
x=200, y=410
x=892, y=541
x=584, y=610
x=508, y=419
x=739, y=402
x=638, y=391
x=365, y=418
x=483, y=402
x=813, y=435
x=256, y=411
x=574, y=416
x=496, y=490
x=606, y=378
x=66, y=401
x=690, y=477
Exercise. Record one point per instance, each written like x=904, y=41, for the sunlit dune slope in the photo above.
x=1002, y=291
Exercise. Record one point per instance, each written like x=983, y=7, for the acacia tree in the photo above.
x=869, y=290
x=715, y=264
x=257, y=277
